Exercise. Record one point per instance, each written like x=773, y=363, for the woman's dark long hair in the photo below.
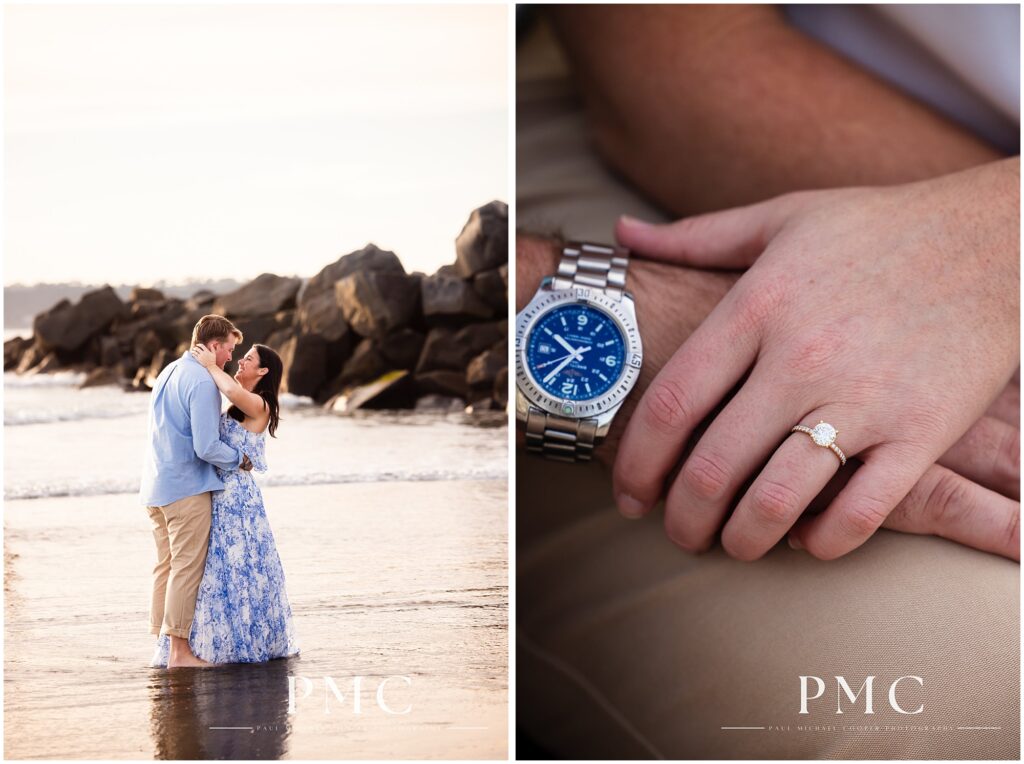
x=267, y=387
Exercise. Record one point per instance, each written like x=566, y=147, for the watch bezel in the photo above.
x=619, y=310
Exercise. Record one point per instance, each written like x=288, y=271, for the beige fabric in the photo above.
x=631, y=648
x=182, y=533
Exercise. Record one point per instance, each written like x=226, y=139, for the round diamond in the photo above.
x=823, y=434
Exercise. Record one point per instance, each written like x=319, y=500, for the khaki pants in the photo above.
x=182, y=533
x=628, y=647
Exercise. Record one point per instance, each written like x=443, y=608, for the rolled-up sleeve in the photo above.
x=204, y=412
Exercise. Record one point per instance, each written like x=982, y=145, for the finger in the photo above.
x=734, y=446
x=988, y=454
x=943, y=503
x=695, y=379
x=796, y=473
x=732, y=238
x=887, y=475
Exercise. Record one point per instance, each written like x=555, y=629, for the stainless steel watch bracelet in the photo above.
x=592, y=265
x=566, y=440
x=595, y=266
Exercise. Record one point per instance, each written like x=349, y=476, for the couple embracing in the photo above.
x=218, y=590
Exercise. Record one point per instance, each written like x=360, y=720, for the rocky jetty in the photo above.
x=361, y=333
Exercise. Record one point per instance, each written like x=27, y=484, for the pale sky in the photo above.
x=200, y=141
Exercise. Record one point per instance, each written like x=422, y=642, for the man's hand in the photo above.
x=246, y=464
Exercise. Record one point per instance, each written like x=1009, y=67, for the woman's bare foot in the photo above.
x=189, y=662
x=181, y=655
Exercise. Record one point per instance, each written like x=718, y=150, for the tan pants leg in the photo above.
x=628, y=647
x=182, y=533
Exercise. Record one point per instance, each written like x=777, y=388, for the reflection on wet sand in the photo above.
x=407, y=579
x=236, y=711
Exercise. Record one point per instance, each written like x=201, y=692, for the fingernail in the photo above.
x=629, y=506
x=635, y=222
x=794, y=542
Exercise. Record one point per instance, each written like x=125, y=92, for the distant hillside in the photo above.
x=22, y=303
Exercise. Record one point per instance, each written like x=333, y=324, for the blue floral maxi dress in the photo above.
x=242, y=611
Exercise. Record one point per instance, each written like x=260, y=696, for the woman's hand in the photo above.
x=891, y=313
x=204, y=355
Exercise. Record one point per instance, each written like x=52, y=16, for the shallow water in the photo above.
x=387, y=577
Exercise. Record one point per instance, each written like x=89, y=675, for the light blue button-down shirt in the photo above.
x=183, y=439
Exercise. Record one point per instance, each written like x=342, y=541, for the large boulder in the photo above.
x=492, y=289
x=181, y=326
x=160, y=361
x=278, y=339
x=447, y=349
x=67, y=327
x=375, y=303
x=267, y=293
x=369, y=258
x=30, y=358
x=13, y=350
x=256, y=330
x=201, y=300
x=365, y=363
x=110, y=352
x=395, y=389
x=479, y=337
x=483, y=242
x=50, y=364
x=484, y=369
x=305, y=369
x=450, y=270
x=446, y=298
x=138, y=294
x=145, y=346
x=321, y=314
x=442, y=382
x=402, y=349
x=500, y=392
x=442, y=350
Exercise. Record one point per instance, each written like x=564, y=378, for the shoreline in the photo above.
x=403, y=578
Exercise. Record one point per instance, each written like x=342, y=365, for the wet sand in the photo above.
x=402, y=579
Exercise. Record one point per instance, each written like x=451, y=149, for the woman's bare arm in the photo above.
x=251, y=404
x=704, y=107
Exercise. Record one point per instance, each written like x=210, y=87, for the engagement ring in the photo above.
x=824, y=435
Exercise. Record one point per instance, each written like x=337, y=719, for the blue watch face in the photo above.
x=575, y=352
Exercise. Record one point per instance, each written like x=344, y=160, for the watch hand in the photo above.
x=569, y=359
x=576, y=353
x=553, y=360
x=563, y=343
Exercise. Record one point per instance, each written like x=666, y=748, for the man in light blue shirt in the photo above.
x=183, y=447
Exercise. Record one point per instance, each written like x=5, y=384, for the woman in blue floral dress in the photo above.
x=242, y=613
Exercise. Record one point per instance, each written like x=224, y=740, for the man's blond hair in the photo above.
x=214, y=327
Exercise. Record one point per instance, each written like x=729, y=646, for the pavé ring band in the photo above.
x=824, y=435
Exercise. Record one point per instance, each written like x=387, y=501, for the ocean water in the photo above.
x=96, y=435
x=392, y=528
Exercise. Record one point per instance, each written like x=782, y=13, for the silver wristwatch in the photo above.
x=578, y=352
